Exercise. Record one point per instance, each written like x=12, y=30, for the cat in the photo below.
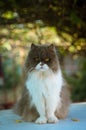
x=45, y=97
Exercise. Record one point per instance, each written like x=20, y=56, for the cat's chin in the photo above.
x=41, y=70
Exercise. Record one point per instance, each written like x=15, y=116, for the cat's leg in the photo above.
x=41, y=120
x=41, y=110
x=50, y=110
x=51, y=116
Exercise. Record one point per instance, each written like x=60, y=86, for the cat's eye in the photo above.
x=36, y=59
x=47, y=59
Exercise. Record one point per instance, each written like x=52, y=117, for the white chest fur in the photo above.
x=44, y=87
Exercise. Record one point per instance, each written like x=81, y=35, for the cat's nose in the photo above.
x=41, y=63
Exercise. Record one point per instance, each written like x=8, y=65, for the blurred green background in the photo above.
x=42, y=22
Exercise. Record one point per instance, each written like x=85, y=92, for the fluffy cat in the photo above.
x=45, y=97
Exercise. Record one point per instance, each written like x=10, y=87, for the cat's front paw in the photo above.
x=41, y=120
x=53, y=119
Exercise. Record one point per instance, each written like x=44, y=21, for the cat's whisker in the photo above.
x=31, y=69
x=28, y=70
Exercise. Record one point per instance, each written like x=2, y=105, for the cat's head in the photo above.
x=42, y=58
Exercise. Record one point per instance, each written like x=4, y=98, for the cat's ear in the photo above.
x=52, y=47
x=33, y=46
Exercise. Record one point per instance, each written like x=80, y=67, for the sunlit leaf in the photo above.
x=8, y=15
x=18, y=121
x=72, y=49
x=67, y=36
x=7, y=46
x=78, y=47
x=75, y=119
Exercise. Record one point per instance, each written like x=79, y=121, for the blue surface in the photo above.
x=77, y=111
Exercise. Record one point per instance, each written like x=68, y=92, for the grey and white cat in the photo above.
x=45, y=97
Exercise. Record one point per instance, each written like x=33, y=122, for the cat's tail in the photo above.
x=63, y=110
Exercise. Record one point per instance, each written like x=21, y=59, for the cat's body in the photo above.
x=45, y=97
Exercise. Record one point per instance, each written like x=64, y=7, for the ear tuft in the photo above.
x=51, y=47
x=33, y=45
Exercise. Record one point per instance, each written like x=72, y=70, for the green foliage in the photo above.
x=39, y=21
x=12, y=72
x=78, y=83
x=68, y=16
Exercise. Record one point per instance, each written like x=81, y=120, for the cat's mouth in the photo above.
x=41, y=66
